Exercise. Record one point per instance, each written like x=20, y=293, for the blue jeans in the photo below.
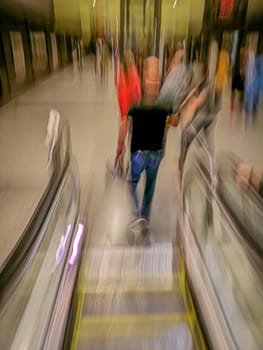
x=148, y=161
x=252, y=94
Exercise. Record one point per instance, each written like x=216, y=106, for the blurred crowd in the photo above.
x=192, y=91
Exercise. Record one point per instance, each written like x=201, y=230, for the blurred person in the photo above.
x=99, y=63
x=80, y=50
x=128, y=92
x=175, y=61
x=169, y=53
x=176, y=85
x=75, y=56
x=222, y=74
x=148, y=126
x=75, y=60
x=196, y=114
x=238, y=83
x=252, y=86
x=105, y=60
x=139, y=63
x=258, y=80
x=259, y=68
x=128, y=84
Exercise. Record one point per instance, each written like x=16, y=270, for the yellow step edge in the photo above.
x=125, y=326
x=193, y=323
x=80, y=301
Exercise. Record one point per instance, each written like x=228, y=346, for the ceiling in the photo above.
x=80, y=16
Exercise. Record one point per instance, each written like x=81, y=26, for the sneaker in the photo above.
x=134, y=231
x=145, y=228
x=139, y=232
x=137, y=225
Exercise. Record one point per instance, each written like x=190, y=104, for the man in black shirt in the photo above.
x=148, y=126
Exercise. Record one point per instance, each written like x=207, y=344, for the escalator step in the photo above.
x=132, y=303
x=126, y=269
x=128, y=326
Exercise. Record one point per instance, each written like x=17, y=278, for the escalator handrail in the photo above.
x=254, y=259
x=254, y=196
x=242, y=236
x=210, y=173
x=13, y=268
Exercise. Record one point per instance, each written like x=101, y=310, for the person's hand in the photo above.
x=243, y=175
x=118, y=164
x=173, y=120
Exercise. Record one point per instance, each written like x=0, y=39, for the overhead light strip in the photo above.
x=175, y=2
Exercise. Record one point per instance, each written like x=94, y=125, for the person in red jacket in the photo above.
x=128, y=84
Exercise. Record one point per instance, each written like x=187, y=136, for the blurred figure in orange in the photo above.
x=222, y=74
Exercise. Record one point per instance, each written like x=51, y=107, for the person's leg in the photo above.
x=232, y=102
x=255, y=102
x=152, y=166
x=138, y=162
x=248, y=103
x=241, y=101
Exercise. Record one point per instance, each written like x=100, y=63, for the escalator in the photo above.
x=223, y=263
x=118, y=297
x=45, y=260
x=57, y=295
x=134, y=297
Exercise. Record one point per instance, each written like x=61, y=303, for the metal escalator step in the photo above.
x=133, y=303
x=130, y=326
x=125, y=269
x=174, y=337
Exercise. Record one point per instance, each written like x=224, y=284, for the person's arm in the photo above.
x=192, y=93
x=193, y=107
x=173, y=119
x=124, y=127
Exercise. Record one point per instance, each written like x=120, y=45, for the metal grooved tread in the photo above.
x=126, y=269
x=131, y=300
